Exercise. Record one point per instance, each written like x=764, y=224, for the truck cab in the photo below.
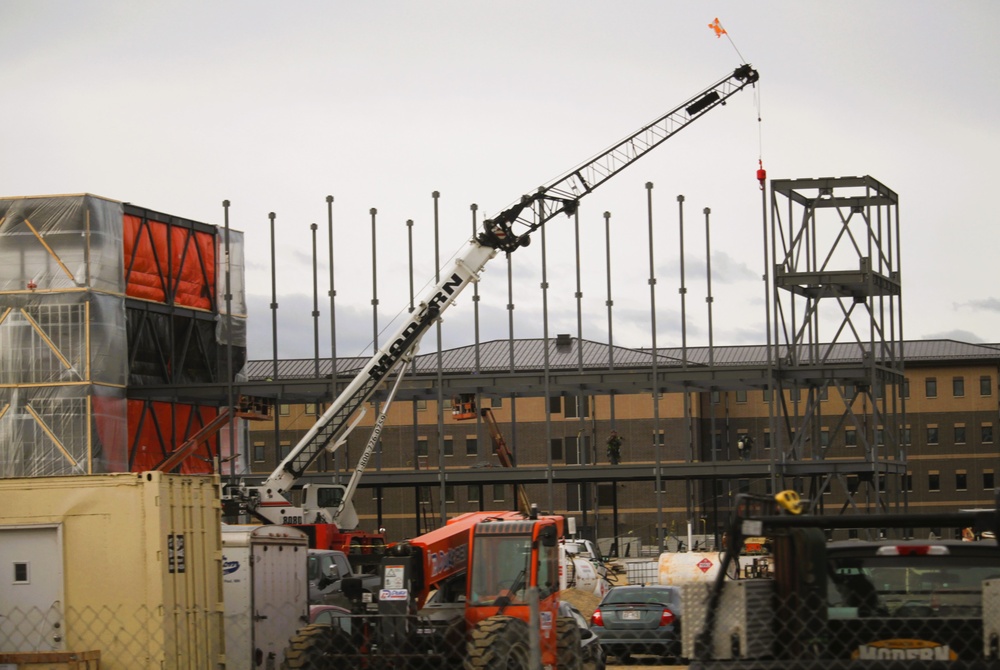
x=892, y=600
x=915, y=599
x=327, y=571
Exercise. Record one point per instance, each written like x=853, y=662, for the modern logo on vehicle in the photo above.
x=904, y=649
x=403, y=342
x=456, y=557
x=229, y=567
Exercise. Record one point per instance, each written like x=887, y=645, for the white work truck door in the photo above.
x=280, y=600
x=31, y=589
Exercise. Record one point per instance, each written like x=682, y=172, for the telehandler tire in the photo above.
x=570, y=653
x=498, y=643
x=319, y=646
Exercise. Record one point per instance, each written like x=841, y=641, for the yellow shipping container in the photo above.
x=129, y=565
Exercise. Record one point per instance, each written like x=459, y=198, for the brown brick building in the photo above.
x=430, y=465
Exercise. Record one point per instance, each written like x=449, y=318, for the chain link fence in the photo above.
x=890, y=602
x=863, y=609
x=125, y=638
x=753, y=626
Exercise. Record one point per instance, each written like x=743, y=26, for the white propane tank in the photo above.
x=586, y=575
x=676, y=568
x=580, y=573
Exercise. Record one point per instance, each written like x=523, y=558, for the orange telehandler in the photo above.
x=458, y=595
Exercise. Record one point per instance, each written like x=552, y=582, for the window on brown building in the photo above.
x=958, y=387
x=930, y=386
x=556, y=449
x=555, y=404
x=961, y=480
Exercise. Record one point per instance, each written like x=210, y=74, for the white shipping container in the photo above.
x=265, y=587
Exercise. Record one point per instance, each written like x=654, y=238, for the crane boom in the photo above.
x=507, y=231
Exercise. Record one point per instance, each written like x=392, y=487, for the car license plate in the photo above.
x=630, y=615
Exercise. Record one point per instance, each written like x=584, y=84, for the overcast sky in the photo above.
x=176, y=106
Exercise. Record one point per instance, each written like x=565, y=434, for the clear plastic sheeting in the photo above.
x=62, y=338
x=61, y=430
x=232, y=325
x=63, y=363
x=237, y=276
x=61, y=243
x=69, y=324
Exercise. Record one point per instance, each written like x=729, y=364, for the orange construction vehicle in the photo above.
x=458, y=595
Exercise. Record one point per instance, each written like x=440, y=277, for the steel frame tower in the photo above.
x=836, y=292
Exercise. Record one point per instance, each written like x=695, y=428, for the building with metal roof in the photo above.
x=709, y=435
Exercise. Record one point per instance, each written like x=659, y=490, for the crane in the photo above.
x=508, y=231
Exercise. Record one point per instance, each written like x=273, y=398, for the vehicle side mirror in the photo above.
x=548, y=536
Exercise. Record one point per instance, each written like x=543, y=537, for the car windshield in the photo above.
x=645, y=595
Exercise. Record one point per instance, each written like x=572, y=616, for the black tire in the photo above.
x=599, y=662
x=498, y=643
x=569, y=653
x=318, y=647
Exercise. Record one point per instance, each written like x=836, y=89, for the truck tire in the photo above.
x=498, y=643
x=319, y=646
x=569, y=652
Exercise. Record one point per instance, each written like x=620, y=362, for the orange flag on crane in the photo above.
x=717, y=27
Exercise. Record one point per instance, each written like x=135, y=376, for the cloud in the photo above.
x=989, y=304
x=958, y=335
x=297, y=329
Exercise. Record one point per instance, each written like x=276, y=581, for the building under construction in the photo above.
x=119, y=350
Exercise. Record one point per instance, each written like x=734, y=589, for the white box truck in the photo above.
x=266, y=594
